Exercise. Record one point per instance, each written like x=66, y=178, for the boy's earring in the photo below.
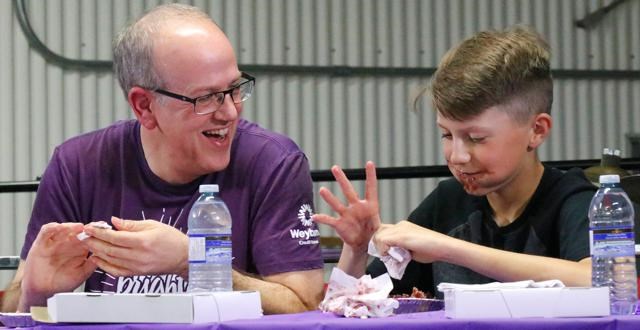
x=529, y=148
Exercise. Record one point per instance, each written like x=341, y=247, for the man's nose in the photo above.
x=228, y=110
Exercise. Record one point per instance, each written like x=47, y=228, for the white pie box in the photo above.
x=154, y=308
x=526, y=302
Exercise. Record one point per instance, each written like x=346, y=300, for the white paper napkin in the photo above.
x=363, y=297
x=98, y=224
x=396, y=259
x=501, y=285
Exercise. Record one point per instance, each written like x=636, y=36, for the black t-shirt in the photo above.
x=554, y=224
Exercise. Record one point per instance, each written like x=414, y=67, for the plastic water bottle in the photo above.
x=613, y=246
x=209, y=243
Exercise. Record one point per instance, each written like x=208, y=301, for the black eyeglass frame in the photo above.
x=249, y=79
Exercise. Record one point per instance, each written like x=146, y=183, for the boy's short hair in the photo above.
x=509, y=67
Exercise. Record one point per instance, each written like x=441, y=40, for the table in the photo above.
x=429, y=320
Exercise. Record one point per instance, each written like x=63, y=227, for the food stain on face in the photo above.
x=468, y=182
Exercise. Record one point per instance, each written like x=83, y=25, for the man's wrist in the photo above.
x=184, y=274
x=30, y=299
x=30, y=294
x=183, y=267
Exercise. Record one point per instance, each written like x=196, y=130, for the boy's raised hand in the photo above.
x=359, y=219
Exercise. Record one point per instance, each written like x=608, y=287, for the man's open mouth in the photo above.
x=218, y=134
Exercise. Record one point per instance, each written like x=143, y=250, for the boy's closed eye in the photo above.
x=445, y=136
x=476, y=139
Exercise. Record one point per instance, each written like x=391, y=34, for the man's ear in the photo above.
x=140, y=101
x=540, y=129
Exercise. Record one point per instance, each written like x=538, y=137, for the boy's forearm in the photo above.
x=353, y=262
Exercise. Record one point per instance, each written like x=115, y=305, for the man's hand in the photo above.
x=359, y=219
x=57, y=262
x=145, y=247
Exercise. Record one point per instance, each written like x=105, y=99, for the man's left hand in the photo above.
x=144, y=247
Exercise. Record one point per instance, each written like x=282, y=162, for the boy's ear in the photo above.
x=140, y=101
x=540, y=129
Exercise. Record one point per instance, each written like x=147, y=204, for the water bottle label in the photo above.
x=218, y=251
x=210, y=249
x=196, y=249
x=612, y=242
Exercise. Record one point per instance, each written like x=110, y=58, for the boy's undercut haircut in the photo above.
x=509, y=67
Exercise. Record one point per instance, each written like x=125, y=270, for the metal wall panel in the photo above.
x=342, y=120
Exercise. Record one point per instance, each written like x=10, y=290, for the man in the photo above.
x=504, y=216
x=179, y=74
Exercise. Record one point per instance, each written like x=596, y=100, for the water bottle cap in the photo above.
x=209, y=188
x=609, y=178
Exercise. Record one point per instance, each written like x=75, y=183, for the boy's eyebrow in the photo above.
x=467, y=130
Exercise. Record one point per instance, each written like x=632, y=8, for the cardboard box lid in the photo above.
x=153, y=308
x=528, y=302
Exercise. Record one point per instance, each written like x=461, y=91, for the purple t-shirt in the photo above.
x=267, y=187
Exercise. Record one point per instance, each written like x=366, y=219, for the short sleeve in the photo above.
x=574, y=227
x=55, y=200
x=284, y=238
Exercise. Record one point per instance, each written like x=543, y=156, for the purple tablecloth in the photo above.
x=428, y=320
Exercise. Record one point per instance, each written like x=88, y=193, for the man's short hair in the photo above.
x=133, y=46
x=508, y=67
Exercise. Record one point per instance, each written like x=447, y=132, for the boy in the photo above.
x=505, y=216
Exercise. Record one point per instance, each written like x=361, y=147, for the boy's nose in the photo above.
x=459, y=153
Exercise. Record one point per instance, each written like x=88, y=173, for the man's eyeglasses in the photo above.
x=210, y=103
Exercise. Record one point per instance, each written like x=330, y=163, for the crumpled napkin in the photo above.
x=363, y=297
x=396, y=259
x=98, y=224
x=501, y=285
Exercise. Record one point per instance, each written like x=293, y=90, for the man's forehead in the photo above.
x=190, y=31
